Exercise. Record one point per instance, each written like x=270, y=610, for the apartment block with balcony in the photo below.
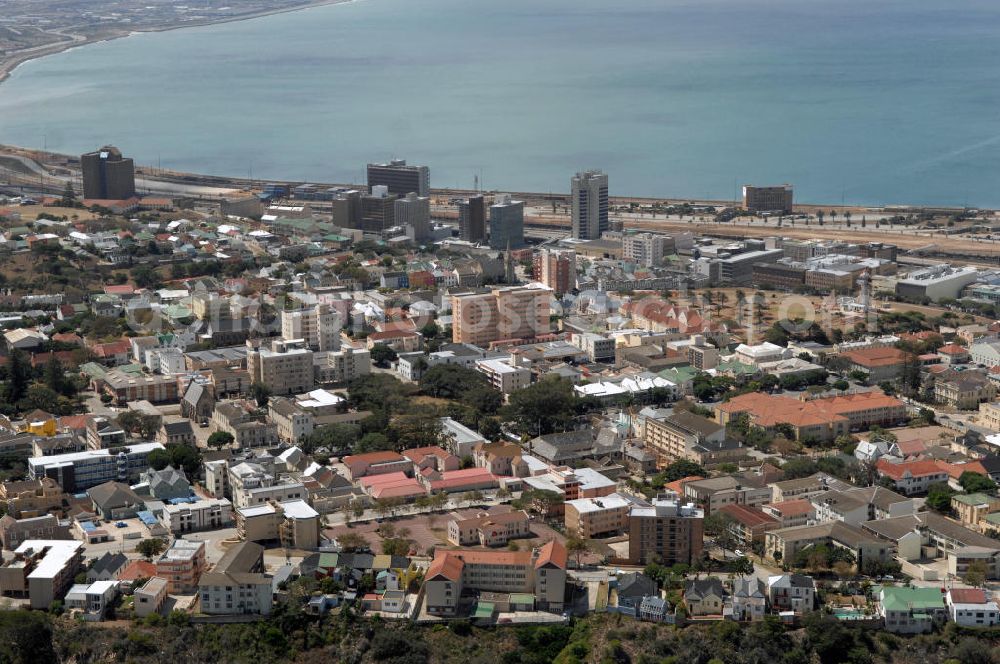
x=41, y=570
x=206, y=514
x=238, y=584
x=668, y=531
x=590, y=518
x=182, y=565
x=456, y=577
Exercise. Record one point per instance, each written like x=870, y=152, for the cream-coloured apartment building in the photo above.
x=456, y=577
x=588, y=518
x=504, y=313
x=285, y=368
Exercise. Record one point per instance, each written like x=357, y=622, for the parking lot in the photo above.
x=431, y=530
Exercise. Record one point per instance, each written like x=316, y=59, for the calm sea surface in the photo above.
x=868, y=101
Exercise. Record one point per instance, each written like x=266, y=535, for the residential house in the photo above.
x=912, y=477
x=107, y=567
x=15, y=531
x=114, y=500
x=704, y=597
x=749, y=599
x=150, y=598
x=633, y=587
x=971, y=607
x=911, y=610
x=791, y=592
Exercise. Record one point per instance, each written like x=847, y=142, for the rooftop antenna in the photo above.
x=475, y=182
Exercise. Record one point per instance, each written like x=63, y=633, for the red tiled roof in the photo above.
x=792, y=507
x=373, y=457
x=922, y=468
x=74, y=421
x=459, y=478
x=967, y=596
x=112, y=348
x=552, y=553
x=137, y=569
x=392, y=334
x=953, y=349
x=417, y=454
x=748, y=516
x=769, y=410
x=447, y=565
x=875, y=357
x=955, y=470
x=677, y=486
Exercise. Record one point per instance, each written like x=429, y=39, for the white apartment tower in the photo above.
x=589, y=193
x=318, y=326
x=645, y=249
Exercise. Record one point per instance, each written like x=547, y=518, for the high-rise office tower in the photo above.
x=345, y=209
x=472, y=219
x=107, y=175
x=414, y=211
x=768, y=199
x=506, y=223
x=399, y=178
x=589, y=191
x=378, y=210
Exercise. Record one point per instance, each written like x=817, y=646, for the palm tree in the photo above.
x=819, y=216
x=847, y=216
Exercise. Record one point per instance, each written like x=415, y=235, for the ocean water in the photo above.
x=866, y=101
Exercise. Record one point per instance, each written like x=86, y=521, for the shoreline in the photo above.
x=53, y=161
x=9, y=64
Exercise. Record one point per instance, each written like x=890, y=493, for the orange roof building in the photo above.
x=885, y=363
x=820, y=419
x=458, y=573
x=913, y=477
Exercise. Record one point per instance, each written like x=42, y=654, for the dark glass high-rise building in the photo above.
x=400, y=178
x=506, y=223
x=472, y=219
x=107, y=175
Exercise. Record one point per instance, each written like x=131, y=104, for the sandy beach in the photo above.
x=72, y=40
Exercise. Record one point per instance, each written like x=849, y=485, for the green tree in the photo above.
x=69, y=196
x=352, y=542
x=26, y=637
x=334, y=437
x=975, y=574
x=977, y=483
x=577, y=547
x=149, y=548
x=18, y=376
x=260, y=394
x=158, y=459
x=542, y=408
x=220, y=439
x=680, y=469
x=382, y=355
x=939, y=496
x=799, y=467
